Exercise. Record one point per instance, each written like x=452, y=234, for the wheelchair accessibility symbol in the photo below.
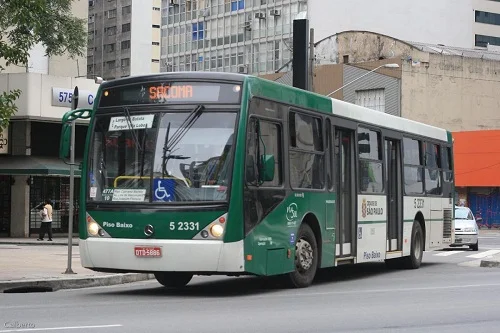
x=163, y=189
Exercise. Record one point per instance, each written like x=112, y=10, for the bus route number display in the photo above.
x=171, y=92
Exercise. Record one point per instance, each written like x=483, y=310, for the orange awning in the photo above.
x=477, y=158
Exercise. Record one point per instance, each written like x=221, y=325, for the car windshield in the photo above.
x=140, y=163
x=462, y=214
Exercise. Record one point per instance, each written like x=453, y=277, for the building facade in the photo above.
x=30, y=168
x=123, y=38
x=461, y=23
x=240, y=36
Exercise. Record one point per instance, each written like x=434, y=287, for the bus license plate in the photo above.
x=147, y=251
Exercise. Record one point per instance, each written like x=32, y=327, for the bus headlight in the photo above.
x=217, y=230
x=93, y=228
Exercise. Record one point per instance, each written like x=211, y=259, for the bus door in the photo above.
x=394, y=194
x=346, y=193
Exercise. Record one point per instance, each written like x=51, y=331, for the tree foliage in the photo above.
x=24, y=24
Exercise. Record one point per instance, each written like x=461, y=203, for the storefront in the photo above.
x=477, y=161
x=30, y=169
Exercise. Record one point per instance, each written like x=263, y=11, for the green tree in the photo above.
x=25, y=23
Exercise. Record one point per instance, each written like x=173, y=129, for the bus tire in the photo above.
x=306, y=258
x=173, y=279
x=414, y=260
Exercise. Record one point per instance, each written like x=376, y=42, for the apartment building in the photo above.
x=240, y=36
x=486, y=22
x=124, y=38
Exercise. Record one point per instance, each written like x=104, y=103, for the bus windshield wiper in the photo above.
x=134, y=135
x=178, y=135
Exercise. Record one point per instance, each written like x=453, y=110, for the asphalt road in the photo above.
x=442, y=296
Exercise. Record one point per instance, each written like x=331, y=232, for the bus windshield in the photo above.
x=162, y=157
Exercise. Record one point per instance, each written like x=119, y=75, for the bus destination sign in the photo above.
x=171, y=92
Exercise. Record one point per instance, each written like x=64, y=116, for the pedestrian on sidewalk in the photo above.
x=46, y=225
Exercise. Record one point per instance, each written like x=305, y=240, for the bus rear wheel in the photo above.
x=417, y=247
x=173, y=279
x=306, y=258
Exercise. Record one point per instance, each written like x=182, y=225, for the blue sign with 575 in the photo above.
x=63, y=97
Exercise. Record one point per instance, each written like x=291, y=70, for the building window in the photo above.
x=488, y=18
x=156, y=8
x=110, y=31
x=125, y=45
x=483, y=41
x=126, y=10
x=155, y=60
x=125, y=62
x=156, y=43
x=237, y=4
x=111, y=13
x=156, y=26
x=373, y=99
x=109, y=47
x=126, y=27
x=111, y=64
x=198, y=31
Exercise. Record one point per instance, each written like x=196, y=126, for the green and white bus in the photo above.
x=203, y=173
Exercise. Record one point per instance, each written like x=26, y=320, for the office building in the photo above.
x=240, y=36
x=124, y=38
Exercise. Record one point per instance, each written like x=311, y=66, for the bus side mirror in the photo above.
x=267, y=168
x=65, y=141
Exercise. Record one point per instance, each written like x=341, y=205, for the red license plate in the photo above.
x=147, y=251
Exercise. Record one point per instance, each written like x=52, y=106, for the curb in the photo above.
x=489, y=263
x=36, y=243
x=71, y=283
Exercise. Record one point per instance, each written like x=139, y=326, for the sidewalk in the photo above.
x=31, y=265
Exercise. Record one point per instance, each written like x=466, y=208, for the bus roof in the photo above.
x=382, y=119
x=344, y=109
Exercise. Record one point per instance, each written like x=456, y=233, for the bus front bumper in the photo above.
x=202, y=256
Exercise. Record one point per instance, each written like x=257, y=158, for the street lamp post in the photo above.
x=373, y=70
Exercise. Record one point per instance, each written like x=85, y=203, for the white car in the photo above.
x=466, y=230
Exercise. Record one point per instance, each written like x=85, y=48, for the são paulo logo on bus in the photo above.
x=369, y=207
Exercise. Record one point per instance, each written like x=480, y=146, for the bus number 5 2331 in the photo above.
x=185, y=226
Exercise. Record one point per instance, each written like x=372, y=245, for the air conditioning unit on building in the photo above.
x=275, y=12
x=247, y=25
x=260, y=16
x=174, y=2
x=91, y=3
x=242, y=69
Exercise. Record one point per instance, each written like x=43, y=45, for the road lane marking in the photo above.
x=448, y=253
x=59, y=328
x=484, y=254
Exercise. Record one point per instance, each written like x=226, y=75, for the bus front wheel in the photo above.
x=173, y=279
x=306, y=258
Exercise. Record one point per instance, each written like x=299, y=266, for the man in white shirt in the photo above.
x=46, y=225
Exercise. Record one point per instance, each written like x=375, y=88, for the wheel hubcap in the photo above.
x=304, y=256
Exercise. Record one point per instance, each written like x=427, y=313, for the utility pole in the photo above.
x=74, y=105
x=311, y=59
